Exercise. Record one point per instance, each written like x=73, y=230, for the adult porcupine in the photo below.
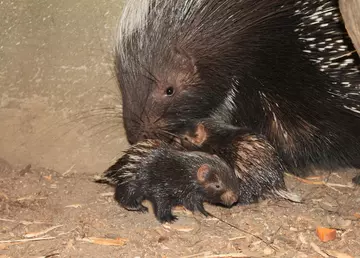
x=156, y=171
x=283, y=68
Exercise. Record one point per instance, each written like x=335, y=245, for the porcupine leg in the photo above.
x=129, y=198
x=162, y=209
x=196, y=204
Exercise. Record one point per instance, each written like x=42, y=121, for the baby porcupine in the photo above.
x=257, y=166
x=167, y=176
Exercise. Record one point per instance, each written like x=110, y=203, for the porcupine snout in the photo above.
x=229, y=198
x=138, y=135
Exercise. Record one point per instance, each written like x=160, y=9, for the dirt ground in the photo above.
x=44, y=213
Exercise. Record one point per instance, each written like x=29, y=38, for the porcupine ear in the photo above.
x=203, y=173
x=200, y=134
x=196, y=137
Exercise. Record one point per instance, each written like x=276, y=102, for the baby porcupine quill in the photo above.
x=282, y=68
x=256, y=164
x=156, y=171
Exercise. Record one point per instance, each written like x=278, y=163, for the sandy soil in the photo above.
x=60, y=214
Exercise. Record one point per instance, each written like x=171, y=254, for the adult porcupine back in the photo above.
x=284, y=68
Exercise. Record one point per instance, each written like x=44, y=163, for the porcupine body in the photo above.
x=283, y=68
x=255, y=161
x=155, y=171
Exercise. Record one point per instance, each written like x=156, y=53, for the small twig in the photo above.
x=346, y=54
x=8, y=220
x=105, y=241
x=318, y=250
x=26, y=240
x=43, y=232
x=68, y=171
x=30, y=197
x=339, y=185
x=24, y=222
x=243, y=231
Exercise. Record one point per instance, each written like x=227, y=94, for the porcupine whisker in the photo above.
x=170, y=137
x=135, y=119
x=101, y=124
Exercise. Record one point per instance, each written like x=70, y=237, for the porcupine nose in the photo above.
x=143, y=136
x=229, y=198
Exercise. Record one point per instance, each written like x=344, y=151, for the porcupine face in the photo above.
x=158, y=72
x=218, y=180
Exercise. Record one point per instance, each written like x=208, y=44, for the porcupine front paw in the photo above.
x=168, y=217
x=196, y=205
x=162, y=212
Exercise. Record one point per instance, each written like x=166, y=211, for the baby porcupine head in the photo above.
x=219, y=181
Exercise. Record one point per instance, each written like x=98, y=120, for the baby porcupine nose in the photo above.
x=229, y=198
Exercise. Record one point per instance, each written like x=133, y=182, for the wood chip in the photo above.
x=357, y=215
x=48, y=178
x=43, y=232
x=326, y=234
x=106, y=241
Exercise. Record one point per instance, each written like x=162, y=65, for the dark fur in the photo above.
x=269, y=54
x=168, y=177
x=256, y=162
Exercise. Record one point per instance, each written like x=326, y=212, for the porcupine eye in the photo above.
x=217, y=186
x=169, y=91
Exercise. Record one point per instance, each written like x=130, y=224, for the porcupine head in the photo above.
x=219, y=183
x=169, y=71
